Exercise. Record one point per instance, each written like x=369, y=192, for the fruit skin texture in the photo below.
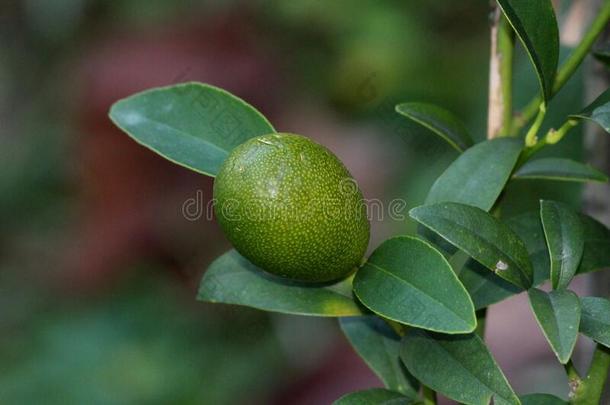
x=291, y=207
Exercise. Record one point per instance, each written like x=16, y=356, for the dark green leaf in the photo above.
x=596, y=319
x=458, y=366
x=408, y=281
x=379, y=346
x=528, y=227
x=536, y=26
x=598, y=111
x=596, y=255
x=440, y=121
x=231, y=279
x=564, y=236
x=559, y=169
x=482, y=236
x=542, y=399
x=374, y=396
x=558, y=314
x=602, y=55
x=485, y=288
x=192, y=124
x=477, y=176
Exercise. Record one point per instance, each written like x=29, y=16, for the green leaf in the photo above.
x=192, y=124
x=482, y=236
x=559, y=169
x=379, y=346
x=231, y=279
x=596, y=255
x=485, y=288
x=440, y=121
x=374, y=396
x=564, y=236
x=598, y=111
x=595, y=321
x=528, y=227
x=408, y=281
x=458, y=366
x=477, y=176
x=542, y=399
x=536, y=26
x=558, y=314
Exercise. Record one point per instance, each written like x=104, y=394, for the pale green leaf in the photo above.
x=194, y=125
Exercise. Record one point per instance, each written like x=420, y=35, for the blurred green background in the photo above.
x=98, y=265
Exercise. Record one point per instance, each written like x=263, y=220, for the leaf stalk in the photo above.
x=531, y=139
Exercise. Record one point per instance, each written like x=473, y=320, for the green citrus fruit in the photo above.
x=291, y=207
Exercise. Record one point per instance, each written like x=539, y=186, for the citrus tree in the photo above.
x=415, y=315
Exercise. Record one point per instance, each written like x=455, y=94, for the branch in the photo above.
x=500, y=75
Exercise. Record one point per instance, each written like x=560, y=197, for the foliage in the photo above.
x=411, y=318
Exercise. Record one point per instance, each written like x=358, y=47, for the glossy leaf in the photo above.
x=408, y=281
x=459, y=367
x=595, y=321
x=559, y=169
x=231, y=279
x=374, y=396
x=536, y=26
x=477, y=176
x=482, y=236
x=558, y=314
x=440, y=121
x=596, y=255
x=379, y=346
x=564, y=236
x=598, y=111
x=485, y=287
x=192, y=124
x=542, y=399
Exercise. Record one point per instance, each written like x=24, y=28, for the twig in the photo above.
x=591, y=388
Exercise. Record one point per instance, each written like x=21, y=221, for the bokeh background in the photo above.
x=99, y=266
